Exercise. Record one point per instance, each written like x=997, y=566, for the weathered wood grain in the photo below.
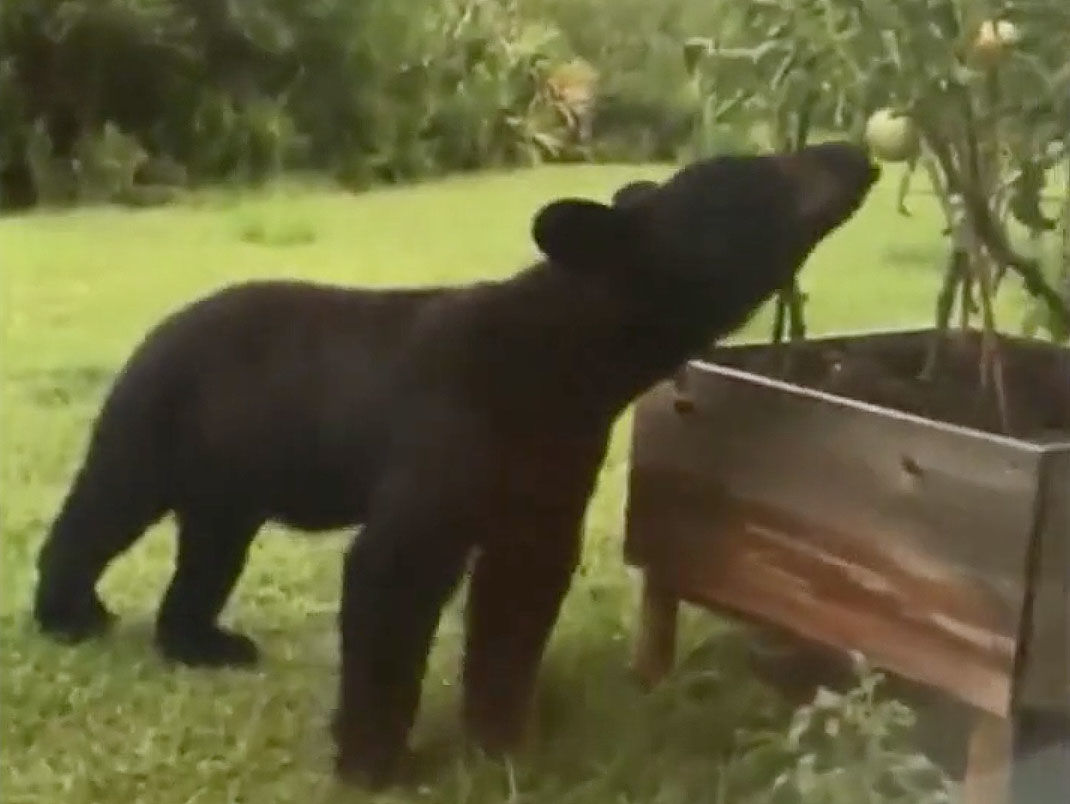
x=851, y=525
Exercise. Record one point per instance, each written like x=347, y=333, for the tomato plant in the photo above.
x=986, y=86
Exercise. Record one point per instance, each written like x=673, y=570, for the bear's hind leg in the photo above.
x=212, y=549
x=101, y=517
x=513, y=601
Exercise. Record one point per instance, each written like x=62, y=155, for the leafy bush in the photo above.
x=12, y=115
x=147, y=195
x=105, y=163
x=250, y=139
x=653, y=104
x=370, y=90
x=469, y=84
x=842, y=748
x=162, y=170
x=53, y=179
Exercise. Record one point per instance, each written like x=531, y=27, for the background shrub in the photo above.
x=367, y=90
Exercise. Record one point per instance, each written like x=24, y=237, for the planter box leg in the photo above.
x=1041, y=758
x=988, y=761
x=656, y=646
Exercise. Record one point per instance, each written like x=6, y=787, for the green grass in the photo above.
x=109, y=722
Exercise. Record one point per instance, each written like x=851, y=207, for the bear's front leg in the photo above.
x=398, y=574
x=514, y=598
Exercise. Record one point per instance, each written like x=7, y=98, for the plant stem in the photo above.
x=796, y=322
x=790, y=300
x=993, y=238
x=904, y=186
x=954, y=276
x=1064, y=268
x=967, y=306
x=977, y=182
x=991, y=355
x=779, y=314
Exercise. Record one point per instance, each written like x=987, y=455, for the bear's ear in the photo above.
x=580, y=234
x=633, y=193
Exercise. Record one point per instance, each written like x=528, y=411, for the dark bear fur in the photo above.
x=446, y=421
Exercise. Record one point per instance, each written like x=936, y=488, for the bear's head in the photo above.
x=727, y=231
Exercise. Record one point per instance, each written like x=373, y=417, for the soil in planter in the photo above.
x=885, y=371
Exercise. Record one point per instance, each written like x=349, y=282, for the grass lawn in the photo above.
x=109, y=722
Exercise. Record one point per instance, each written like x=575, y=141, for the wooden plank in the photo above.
x=1041, y=768
x=656, y=645
x=1042, y=694
x=1044, y=659
x=846, y=524
x=757, y=564
x=988, y=761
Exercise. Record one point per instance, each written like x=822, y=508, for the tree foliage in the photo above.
x=365, y=89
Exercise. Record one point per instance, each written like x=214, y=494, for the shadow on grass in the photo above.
x=61, y=387
x=277, y=233
x=920, y=256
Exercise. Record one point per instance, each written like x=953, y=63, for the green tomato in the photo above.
x=891, y=136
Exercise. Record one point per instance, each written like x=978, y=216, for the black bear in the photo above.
x=450, y=422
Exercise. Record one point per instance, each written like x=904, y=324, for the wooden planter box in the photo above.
x=939, y=551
